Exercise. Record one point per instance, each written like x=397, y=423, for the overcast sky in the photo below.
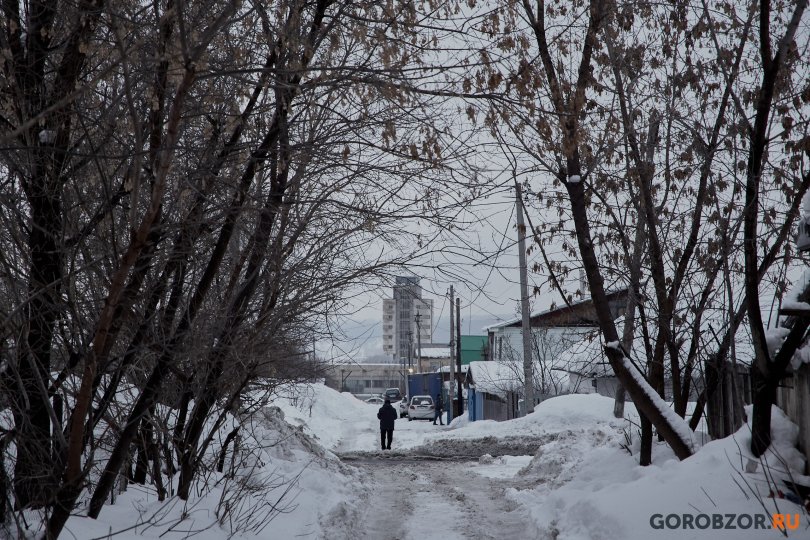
x=487, y=284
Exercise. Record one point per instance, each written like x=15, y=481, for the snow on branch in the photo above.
x=679, y=425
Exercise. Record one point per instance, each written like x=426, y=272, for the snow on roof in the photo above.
x=435, y=352
x=547, y=311
x=497, y=377
x=464, y=368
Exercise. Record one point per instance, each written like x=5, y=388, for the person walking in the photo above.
x=437, y=414
x=387, y=416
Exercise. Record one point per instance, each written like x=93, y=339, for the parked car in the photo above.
x=420, y=407
x=393, y=394
x=403, y=407
x=375, y=400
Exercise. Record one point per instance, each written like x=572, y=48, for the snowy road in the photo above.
x=418, y=499
x=430, y=487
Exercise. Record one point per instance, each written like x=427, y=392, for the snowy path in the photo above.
x=417, y=499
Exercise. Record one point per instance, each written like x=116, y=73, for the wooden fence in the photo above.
x=793, y=397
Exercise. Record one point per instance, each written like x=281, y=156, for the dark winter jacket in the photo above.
x=387, y=416
x=439, y=403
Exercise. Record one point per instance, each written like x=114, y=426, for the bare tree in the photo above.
x=637, y=111
x=775, y=65
x=564, y=95
x=226, y=174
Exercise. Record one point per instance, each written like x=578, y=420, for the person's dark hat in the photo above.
x=388, y=401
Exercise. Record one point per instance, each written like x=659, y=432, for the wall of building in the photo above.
x=368, y=378
x=388, y=326
x=401, y=332
x=473, y=348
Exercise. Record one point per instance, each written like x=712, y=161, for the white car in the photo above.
x=374, y=400
x=421, y=407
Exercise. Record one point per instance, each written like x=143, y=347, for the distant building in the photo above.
x=366, y=379
x=434, y=357
x=407, y=318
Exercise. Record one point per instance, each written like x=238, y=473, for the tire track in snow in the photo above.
x=411, y=499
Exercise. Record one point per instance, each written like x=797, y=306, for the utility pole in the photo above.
x=528, y=371
x=410, y=348
x=452, y=384
x=419, y=340
x=458, y=354
x=404, y=376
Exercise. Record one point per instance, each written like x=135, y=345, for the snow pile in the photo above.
x=282, y=483
x=774, y=337
x=325, y=414
x=561, y=413
x=586, y=486
x=574, y=419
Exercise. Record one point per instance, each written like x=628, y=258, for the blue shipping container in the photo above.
x=425, y=384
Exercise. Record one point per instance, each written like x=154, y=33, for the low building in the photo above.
x=554, y=333
x=494, y=390
x=433, y=358
x=367, y=378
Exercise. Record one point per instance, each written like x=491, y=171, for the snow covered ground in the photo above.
x=564, y=472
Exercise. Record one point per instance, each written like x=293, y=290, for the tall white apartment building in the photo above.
x=407, y=318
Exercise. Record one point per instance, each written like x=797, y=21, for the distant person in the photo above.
x=437, y=414
x=387, y=415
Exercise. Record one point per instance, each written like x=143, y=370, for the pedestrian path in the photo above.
x=414, y=498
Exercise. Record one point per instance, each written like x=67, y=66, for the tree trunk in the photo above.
x=767, y=373
x=231, y=436
x=153, y=453
x=33, y=474
x=764, y=396
x=142, y=458
x=645, y=454
x=121, y=450
x=633, y=383
x=619, y=398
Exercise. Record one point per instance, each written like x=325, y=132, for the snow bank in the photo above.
x=282, y=484
x=588, y=487
x=325, y=414
x=572, y=411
